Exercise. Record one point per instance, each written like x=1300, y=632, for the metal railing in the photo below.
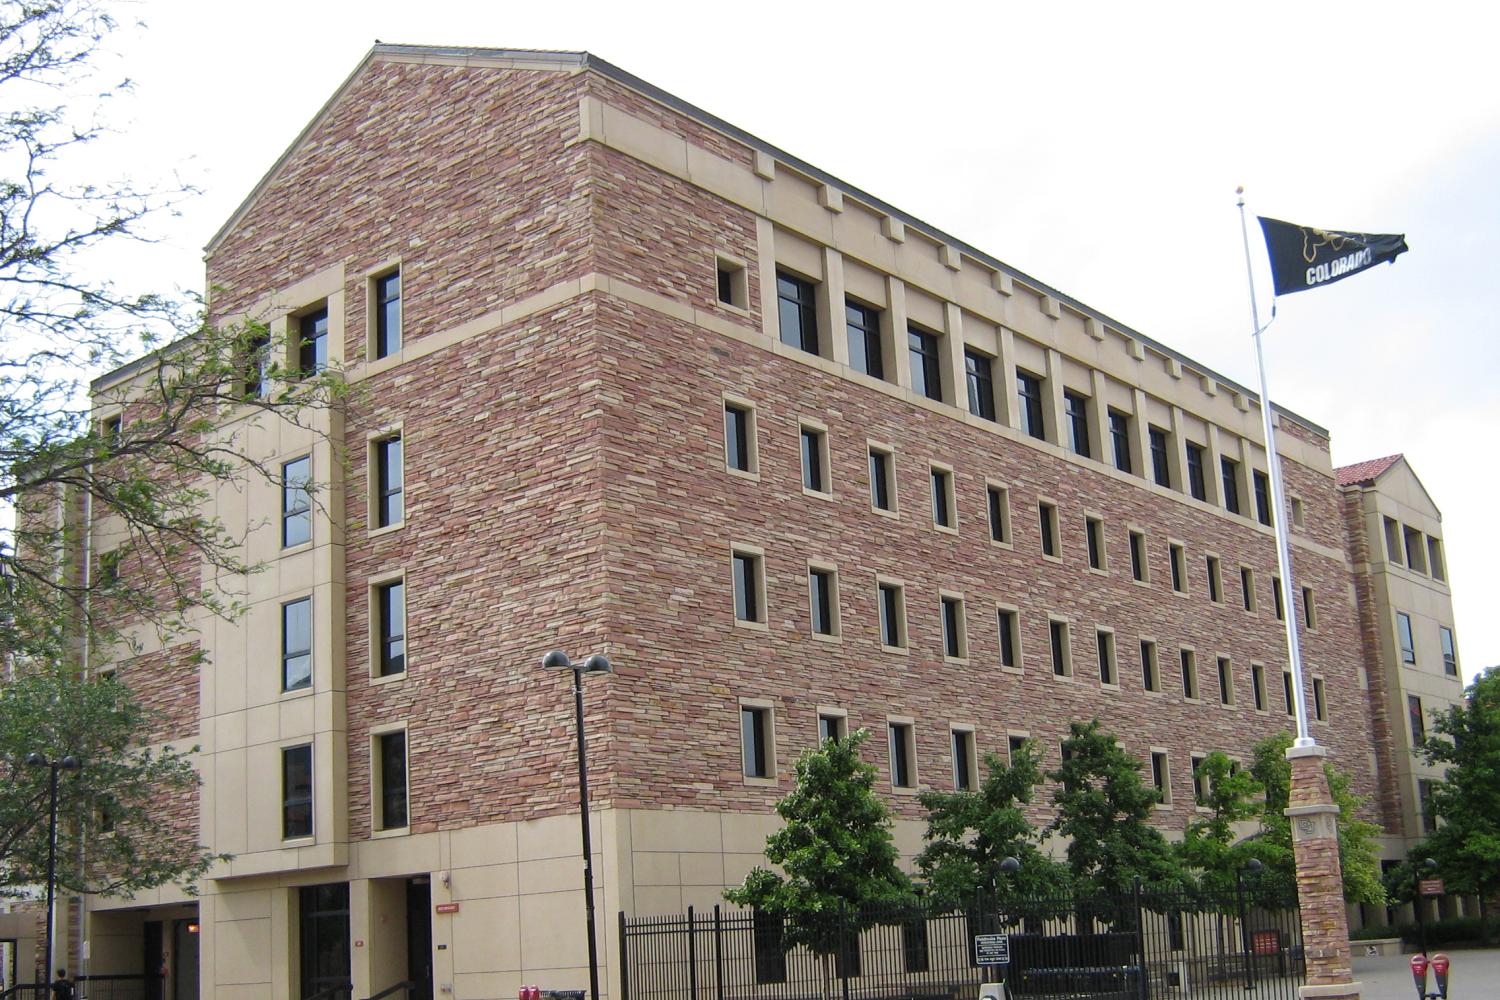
x=407, y=988
x=120, y=987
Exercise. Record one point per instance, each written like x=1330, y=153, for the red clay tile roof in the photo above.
x=1364, y=472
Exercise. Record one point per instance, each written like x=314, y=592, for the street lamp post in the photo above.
x=69, y=763
x=1417, y=871
x=1254, y=867
x=595, y=664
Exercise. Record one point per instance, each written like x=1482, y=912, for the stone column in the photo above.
x=1320, y=882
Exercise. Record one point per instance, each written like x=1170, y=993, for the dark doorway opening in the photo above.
x=323, y=915
x=185, y=959
x=419, y=936
x=154, y=960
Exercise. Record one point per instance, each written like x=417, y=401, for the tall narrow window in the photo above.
x=955, y=644
x=1403, y=633
x=882, y=480
x=1047, y=519
x=391, y=748
x=797, y=311
x=389, y=476
x=1200, y=781
x=963, y=760
x=733, y=282
x=981, y=382
x=1418, y=720
x=925, y=375
x=1393, y=549
x=1196, y=485
x=390, y=599
x=1105, y=644
x=1230, y=473
x=944, y=514
x=1416, y=549
x=1009, y=637
x=1289, y=692
x=1093, y=538
x=892, y=601
x=1309, y=609
x=387, y=296
x=1435, y=559
x=747, y=587
x=1119, y=439
x=755, y=741
x=1277, y=600
x=815, y=460
x=863, y=324
x=1076, y=409
x=1247, y=588
x=1179, y=572
x=1320, y=709
x=296, y=502
x=998, y=498
x=903, y=771
x=1262, y=497
x=1062, y=658
x=1226, y=682
x=312, y=344
x=822, y=597
x=1160, y=779
x=1029, y=393
x=1215, y=580
x=1189, y=661
x=296, y=792
x=1258, y=686
x=1138, y=556
x=1161, y=470
x=296, y=644
x=1150, y=670
x=1424, y=801
x=255, y=368
x=739, y=437
x=1450, y=652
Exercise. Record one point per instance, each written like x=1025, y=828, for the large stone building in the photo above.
x=635, y=382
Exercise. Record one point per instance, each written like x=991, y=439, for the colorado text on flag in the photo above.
x=1303, y=257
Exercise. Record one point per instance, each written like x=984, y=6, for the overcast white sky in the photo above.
x=1094, y=146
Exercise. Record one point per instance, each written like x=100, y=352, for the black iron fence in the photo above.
x=1143, y=946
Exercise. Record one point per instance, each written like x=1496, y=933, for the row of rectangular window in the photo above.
x=1409, y=646
x=389, y=784
x=1409, y=547
x=387, y=476
x=388, y=635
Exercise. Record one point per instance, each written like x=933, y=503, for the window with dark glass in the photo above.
x=1007, y=622
x=882, y=483
x=1258, y=686
x=942, y=498
x=390, y=599
x=1247, y=588
x=1014, y=745
x=392, y=750
x=1061, y=655
x=1226, y=682
x=1047, y=516
x=963, y=762
x=1277, y=600
x=1161, y=470
x=832, y=727
x=1029, y=395
x=296, y=644
x=925, y=375
x=388, y=314
x=296, y=792
x=1418, y=721
x=296, y=502
x=814, y=475
x=1309, y=609
x=901, y=753
x=1189, y=661
x=1093, y=535
x=863, y=323
x=820, y=599
x=737, y=438
x=798, y=312
x=1104, y=643
x=1435, y=559
x=323, y=916
x=1230, y=473
x=1119, y=439
x=747, y=587
x=999, y=511
x=892, y=613
x=389, y=476
x=1215, y=580
x=1200, y=781
x=981, y=381
x=1403, y=632
x=953, y=627
x=1289, y=692
x=1450, y=653
x=255, y=366
x=1424, y=800
x=1196, y=485
x=1320, y=710
x=1262, y=497
x=915, y=954
x=312, y=344
x=770, y=949
x=1179, y=578
x=733, y=283
x=1159, y=776
x=1076, y=409
x=1138, y=556
x=755, y=741
x=1150, y=674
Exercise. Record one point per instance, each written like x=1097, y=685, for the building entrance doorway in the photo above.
x=324, y=935
x=185, y=959
x=419, y=936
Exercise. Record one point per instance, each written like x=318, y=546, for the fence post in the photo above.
x=624, y=960
x=692, y=956
x=1140, y=938
x=718, y=954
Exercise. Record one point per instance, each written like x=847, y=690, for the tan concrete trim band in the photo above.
x=1318, y=809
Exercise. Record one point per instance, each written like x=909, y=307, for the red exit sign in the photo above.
x=447, y=907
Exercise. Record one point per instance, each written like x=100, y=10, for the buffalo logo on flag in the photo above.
x=1303, y=257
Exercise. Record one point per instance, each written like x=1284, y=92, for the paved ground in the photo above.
x=1475, y=976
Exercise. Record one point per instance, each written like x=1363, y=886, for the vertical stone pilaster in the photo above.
x=1320, y=881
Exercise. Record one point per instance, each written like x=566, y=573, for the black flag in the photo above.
x=1303, y=257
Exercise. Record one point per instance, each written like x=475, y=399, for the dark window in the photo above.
x=296, y=792
x=981, y=381
x=830, y=727
x=820, y=596
x=900, y=738
x=890, y=615
x=1403, y=632
x=296, y=502
x=737, y=438
x=953, y=627
x=734, y=288
x=391, y=600
x=1189, y=673
x=255, y=365
x=925, y=376
x=797, y=309
x=755, y=741
x=1450, y=654
x=1196, y=484
x=880, y=479
x=1424, y=800
x=1435, y=558
x=392, y=780
x=1161, y=470
x=1007, y=621
x=813, y=476
x=388, y=314
x=323, y=912
x=1289, y=692
x=770, y=952
x=1320, y=711
x=1226, y=682
x=1215, y=580
x=1175, y=554
x=1138, y=556
x=726, y=285
x=1262, y=497
x=1048, y=519
x=312, y=347
x=1150, y=675
x=863, y=325
x=942, y=498
x=915, y=956
x=1418, y=721
x=1014, y=745
x=999, y=508
x=1230, y=473
x=1029, y=393
x=1105, y=643
x=1247, y=588
x=1277, y=600
x=1093, y=531
x=1077, y=411
x=746, y=587
x=1119, y=439
x=1309, y=609
x=1200, y=782
x=296, y=644
x=1258, y=686
x=1059, y=635
x=389, y=475
x=963, y=750
x=1159, y=776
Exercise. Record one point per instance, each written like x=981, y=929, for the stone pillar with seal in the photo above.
x=1320, y=880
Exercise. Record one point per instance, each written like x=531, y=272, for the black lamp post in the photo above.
x=1418, y=869
x=1254, y=867
x=595, y=664
x=69, y=763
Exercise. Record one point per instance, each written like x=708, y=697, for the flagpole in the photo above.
x=1278, y=496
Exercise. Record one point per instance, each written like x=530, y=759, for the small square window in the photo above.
x=1320, y=706
x=387, y=487
x=1010, y=638
x=757, y=742
x=944, y=508
x=312, y=342
x=390, y=628
x=1404, y=636
x=891, y=598
x=1189, y=661
x=1226, y=681
x=965, y=764
x=749, y=586
x=296, y=644
x=1179, y=567
x=1104, y=642
x=1062, y=653
x=903, y=755
x=1215, y=580
x=296, y=502
x=1150, y=668
x=389, y=753
x=385, y=313
x=1093, y=537
x=882, y=479
x=832, y=726
x=815, y=460
x=739, y=437
x=1161, y=777
x=733, y=283
x=1015, y=744
x=1047, y=521
x=296, y=792
x=1140, y=569
x=955, y=638
x=1258, y=687
x=1247, y=588
x=797, y=310
x=823, y=599
x=998, y=502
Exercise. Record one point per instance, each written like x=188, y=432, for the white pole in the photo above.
x=1278, y=498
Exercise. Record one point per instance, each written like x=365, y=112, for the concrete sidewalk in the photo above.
x=1475, y=975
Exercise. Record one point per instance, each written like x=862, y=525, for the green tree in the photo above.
x=1357, y=855
x=835, y=852
x=192, y=398
x=1104, y=811
x=969, y=835
x=1209, y=847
